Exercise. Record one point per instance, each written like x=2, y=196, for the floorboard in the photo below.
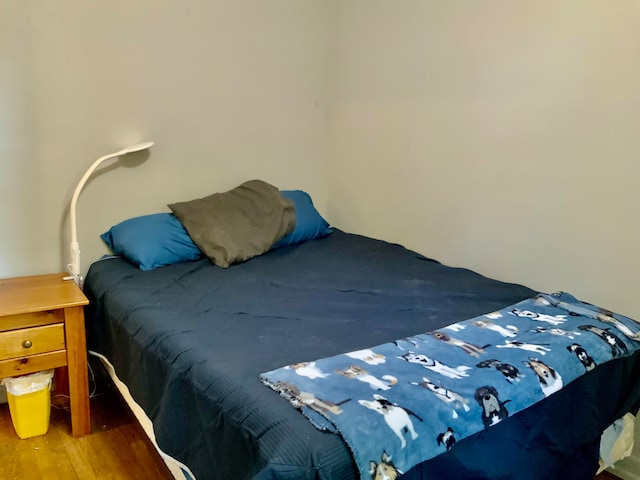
x=116, y=450
x=607, y=476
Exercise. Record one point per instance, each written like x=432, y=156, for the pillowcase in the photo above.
x=309, y=223
x=152, y=241
x=234, y=226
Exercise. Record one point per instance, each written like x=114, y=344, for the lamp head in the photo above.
x=135, y=148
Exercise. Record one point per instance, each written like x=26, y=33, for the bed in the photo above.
x=191, y=339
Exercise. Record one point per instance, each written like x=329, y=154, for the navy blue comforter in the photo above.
x=190, y=341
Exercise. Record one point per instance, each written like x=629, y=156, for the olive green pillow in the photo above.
x=234, y=226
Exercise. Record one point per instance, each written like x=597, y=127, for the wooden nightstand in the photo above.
x=42, y=327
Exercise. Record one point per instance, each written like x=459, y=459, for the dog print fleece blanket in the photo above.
x=404, y=402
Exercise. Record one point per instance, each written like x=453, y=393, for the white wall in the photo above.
x=19, y=180
x=498, y=135
x=229, y=91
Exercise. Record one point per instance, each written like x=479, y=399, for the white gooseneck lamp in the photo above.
x=74, y=247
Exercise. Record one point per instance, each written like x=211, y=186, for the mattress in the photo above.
x=190, y=341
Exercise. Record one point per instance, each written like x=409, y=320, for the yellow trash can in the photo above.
x=29, y=399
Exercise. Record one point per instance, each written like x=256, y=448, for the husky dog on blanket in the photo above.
x=618, y=347
x=396, y=417
x=451, y=398
x=556, y=331
x=540, y=317
x=529, y=347
x=509, y=331
x=361, y=374
x=435, y=365
x=607, y=317
x=467, y=347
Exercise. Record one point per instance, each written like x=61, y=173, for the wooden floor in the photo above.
x=607, y=476
x=116, y=450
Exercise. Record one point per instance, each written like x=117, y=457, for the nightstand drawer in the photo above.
x=31, y=341
x=32, y=363
x=33, y=319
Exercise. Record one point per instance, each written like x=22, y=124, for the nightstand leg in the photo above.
x=77, y=366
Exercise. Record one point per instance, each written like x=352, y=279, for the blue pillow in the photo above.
x=309, y=223
x=152, y=241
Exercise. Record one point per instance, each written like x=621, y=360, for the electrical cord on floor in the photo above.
x=91, y=395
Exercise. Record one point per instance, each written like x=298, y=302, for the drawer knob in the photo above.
x=27, y=344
